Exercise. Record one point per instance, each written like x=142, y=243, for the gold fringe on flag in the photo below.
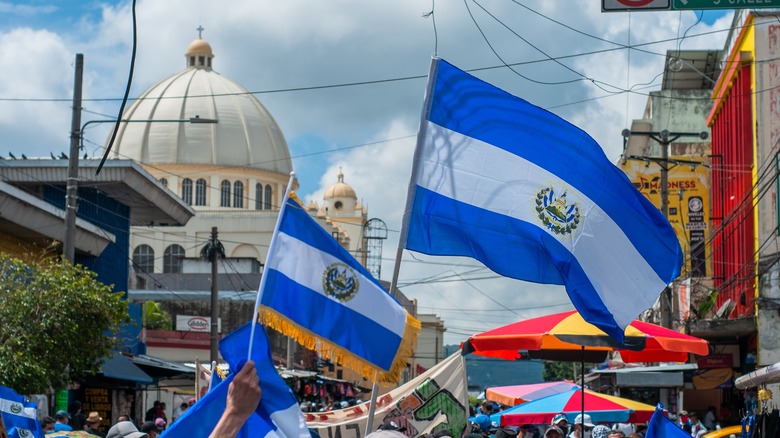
x=328, y=350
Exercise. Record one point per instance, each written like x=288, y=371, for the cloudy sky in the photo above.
x=345, y=81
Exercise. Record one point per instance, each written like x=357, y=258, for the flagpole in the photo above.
x=197, y=378
x=372, y=407
x=270, y=252
x=406, y=218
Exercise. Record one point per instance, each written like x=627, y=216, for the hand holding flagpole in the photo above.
x=270, y=251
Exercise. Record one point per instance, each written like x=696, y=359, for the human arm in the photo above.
x=243, y=397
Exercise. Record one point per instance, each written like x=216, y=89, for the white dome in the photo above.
x=245, y=133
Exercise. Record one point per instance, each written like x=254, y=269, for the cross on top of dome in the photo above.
x=199, y=54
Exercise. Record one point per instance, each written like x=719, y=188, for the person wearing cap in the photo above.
x=160, y=423
x=600, y=431
x=125, y=429
x=582, y=426
x=553, y=432
x=61, y=419
x=561, y=422
x=93, y=423
x=152, y=429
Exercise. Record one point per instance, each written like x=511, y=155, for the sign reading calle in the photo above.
x=724, y=4
x=682, y=5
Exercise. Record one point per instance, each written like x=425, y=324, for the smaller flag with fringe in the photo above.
x=316, y=292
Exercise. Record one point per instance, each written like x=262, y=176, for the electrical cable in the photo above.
x=127, y=93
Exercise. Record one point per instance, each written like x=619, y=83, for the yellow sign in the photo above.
x=687, y=201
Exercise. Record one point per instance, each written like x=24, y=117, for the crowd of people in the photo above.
x=155, y=422
x=559, y=427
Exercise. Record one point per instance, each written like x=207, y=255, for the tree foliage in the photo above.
x=58, y=323
x=156, y=317
x=557, y=371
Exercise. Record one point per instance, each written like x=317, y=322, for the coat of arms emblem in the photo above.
x=556, y=213
x=340, y=281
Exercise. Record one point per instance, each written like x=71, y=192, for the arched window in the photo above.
x=200, y=192
x=186, y=191
x=267, y=197
x=173, y=259
x=238, y=194
x=258, y=196
x=224, y=192
x=164, y=182
x=143, y=259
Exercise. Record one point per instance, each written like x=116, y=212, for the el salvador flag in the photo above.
x=661, y=427
x=19, y=416
x=534, y=198
x=277, y=415
x=314, y=291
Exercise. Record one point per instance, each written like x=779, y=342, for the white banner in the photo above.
x=436, y=399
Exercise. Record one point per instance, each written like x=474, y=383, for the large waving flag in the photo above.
x=314, y=291
x=278, y=414
x=19, y=417
x=534, y=198
x=661, y=427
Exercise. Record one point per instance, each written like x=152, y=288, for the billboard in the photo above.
x=688, y=201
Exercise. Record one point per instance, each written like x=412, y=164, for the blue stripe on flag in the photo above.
x=278, y=411
x=299, y=224
x=479, y=110
x=497, y=179
x=19, y=416
x=661, y=427
x=343, y=326
x=364, y=323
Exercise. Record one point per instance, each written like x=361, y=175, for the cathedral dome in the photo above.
x=340, y=190
x=245, y=134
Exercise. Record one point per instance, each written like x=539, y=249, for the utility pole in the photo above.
x=665, y=138
x=212, y=252
x=71, y=194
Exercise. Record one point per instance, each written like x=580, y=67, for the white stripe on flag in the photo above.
x=294, y=254
x=12, y=408
x=464, y=177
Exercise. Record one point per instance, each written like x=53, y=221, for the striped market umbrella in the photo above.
x=601, y=407
x=566, y=336
x=517, y=394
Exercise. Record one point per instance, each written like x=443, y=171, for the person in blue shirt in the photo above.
x=61, y=419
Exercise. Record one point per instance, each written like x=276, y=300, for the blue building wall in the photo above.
x=112, y=266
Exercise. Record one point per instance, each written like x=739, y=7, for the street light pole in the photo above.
x=71, y=193
x=665, y=138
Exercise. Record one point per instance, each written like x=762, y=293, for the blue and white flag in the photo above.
x=315, y=291
x=534, y=198
x=661, y=427
x=19, y=416
x=277, y=415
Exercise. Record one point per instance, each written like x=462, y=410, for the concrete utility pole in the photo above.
x=665, y=138
x=71, y=194
x=213, y=251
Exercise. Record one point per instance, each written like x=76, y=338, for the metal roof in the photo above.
x=691, y=69
x=126, y=181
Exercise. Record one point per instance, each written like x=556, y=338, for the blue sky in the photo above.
x=367, y=130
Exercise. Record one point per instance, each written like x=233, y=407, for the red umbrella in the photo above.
x=566, y=336
x=517, y=394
